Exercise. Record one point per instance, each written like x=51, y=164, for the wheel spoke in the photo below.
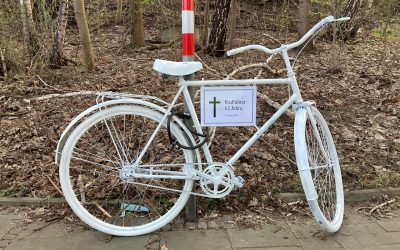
x=101, y=155
x=105, y=167
x=116, y=142
x=323, y=166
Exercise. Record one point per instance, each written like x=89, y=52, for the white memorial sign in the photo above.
x=228, y=106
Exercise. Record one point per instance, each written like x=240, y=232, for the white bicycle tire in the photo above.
x=75, y=204
x=302, y=159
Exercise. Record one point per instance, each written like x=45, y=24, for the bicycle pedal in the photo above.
x=240, y=181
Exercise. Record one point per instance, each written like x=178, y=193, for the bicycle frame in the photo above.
x=293, y=99
x=325, y=196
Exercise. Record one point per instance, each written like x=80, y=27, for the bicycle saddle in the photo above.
x=176, y=68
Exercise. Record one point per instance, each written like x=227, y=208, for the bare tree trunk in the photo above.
x=389, y=12
x=56, y=55
x=352, y=10
x=216, y=39
x=370, y=3
x=3, y=63
x=233, y=13
x=81, y=20
x=137, y=24
x=357, y=10
x=304, y=21
x=24, y=20
x=118, y=15
x=205, y=25
x=29, y=16
x=28, y=27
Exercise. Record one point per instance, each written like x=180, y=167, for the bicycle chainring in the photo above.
x=219, y=182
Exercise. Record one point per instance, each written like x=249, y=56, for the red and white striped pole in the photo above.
x=187, y=56
x=187, y=30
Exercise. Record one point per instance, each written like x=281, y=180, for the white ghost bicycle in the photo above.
x=128, y=165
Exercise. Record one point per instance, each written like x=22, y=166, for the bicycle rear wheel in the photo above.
x=96, y=166
x=319, y=168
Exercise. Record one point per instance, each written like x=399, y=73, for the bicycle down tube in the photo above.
x=259, y=132
x=295, y=97
x=143, y=194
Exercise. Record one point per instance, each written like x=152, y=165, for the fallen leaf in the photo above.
x=164, y=247
x=348, y=135
x=253, y=202
x=379, y=137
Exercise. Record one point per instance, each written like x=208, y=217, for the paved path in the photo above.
x=357, y=232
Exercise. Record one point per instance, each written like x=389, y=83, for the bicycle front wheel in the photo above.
x=319, y=168
x=96, y=171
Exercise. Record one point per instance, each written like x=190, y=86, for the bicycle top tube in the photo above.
x=314, y=29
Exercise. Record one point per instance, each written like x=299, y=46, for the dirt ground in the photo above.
x=350, y=84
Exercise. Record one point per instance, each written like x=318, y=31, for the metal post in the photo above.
x=188, y=56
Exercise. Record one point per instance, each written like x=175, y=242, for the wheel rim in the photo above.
x=97, y=167
x=324, y=169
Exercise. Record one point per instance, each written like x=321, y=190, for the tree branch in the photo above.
x=274, y=104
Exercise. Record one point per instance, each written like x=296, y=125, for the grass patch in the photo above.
x=18, y=189
x=393, y=31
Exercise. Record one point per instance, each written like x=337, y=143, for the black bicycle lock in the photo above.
x=174, y=141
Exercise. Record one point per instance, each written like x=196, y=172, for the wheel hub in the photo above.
x=126, y=172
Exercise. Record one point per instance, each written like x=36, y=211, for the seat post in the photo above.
x=188, y=56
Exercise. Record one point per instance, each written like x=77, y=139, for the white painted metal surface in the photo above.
x=226, y=175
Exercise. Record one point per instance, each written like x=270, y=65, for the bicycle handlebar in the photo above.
x=250, y=47
x=314, y=29
x=342, y=19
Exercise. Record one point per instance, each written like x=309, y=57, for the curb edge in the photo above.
x=349, y=196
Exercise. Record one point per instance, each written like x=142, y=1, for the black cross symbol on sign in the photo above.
x=215, y=102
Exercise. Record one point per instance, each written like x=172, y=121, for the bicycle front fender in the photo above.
x=103, y=105
x=301, y=152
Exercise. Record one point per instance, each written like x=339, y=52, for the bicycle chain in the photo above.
x=170, y=189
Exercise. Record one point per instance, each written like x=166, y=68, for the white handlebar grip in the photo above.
x=233, y=52
x=342, y=19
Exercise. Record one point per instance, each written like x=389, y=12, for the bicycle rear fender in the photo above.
x=103, y=105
